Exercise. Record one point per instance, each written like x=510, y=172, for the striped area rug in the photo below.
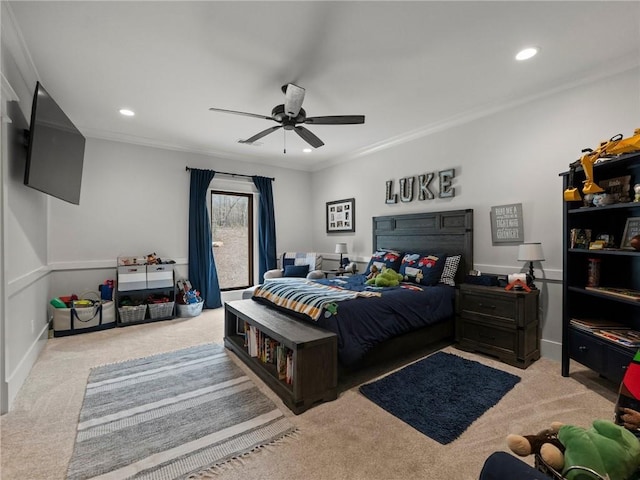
x=171, y=415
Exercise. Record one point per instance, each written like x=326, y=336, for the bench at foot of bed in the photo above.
x=299, y=362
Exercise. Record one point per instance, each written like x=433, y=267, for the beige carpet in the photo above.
x=350, y=438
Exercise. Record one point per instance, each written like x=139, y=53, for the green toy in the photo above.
x=331, y=309
x=606, y=448
x=388, y=277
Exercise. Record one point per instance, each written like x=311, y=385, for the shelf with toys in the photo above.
x=145, y=290
x=601, y=267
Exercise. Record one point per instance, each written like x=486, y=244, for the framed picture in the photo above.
x=631, y=229
x=506, y=224
x=341, y=216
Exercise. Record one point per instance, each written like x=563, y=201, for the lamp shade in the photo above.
x=530, y=252
x=341, y=248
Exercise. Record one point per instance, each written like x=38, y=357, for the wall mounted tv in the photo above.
x=55, y=151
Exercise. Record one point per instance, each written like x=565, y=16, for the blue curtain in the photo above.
x=266, y=226
x=202, y=268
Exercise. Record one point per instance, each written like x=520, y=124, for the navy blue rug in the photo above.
x=441, y=395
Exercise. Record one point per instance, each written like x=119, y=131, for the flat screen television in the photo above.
x=55, y=151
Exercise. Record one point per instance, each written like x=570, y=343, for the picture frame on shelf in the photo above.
x=580, y=238
x=341, y=216
x=631, y=229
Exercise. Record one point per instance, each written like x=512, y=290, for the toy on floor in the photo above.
x=188, y=294
x=608, y=449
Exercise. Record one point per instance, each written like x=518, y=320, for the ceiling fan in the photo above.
x=291, y=114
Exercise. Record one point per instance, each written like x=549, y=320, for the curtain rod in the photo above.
x=232, y=174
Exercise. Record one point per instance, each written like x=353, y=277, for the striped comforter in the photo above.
x=304, y=296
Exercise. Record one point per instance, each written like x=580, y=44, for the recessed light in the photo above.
x=306, y=150
x=527, y=53
x=126, y=112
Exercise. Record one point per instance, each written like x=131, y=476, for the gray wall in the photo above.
x=134, y=199
x=512, y=156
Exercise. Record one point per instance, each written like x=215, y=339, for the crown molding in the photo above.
x=616, y=67
x=13, y=39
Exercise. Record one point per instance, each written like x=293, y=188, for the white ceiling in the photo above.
x=410, y=67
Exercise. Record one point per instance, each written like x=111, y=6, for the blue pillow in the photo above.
x=422, y=268
x=384, y=258
x=300, y=271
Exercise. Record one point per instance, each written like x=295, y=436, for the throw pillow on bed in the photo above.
x=384, y=258
x=422, y=268
x=300, y=271
x=451, y=265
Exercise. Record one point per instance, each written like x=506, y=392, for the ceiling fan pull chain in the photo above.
x=284, y=134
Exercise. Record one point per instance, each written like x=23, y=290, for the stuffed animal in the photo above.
x=606, y=448
x=545, y=444
x=373, y=272
x=388, y=277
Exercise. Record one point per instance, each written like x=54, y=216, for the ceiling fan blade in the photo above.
x=263, y=133
x=293, y=102
x=240, y=113
x=336, y=120
x=309, y=137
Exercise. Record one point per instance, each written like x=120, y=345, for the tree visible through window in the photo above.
x=232, y=234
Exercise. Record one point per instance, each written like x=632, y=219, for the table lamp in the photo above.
x=341, y=248
x=530, y=252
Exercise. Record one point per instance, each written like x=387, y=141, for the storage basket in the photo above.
x=82, y=318
x=190, y=309
x=84, y=312
x=131, y=313
x=160, y=310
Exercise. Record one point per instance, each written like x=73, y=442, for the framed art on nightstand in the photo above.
x=341, y=216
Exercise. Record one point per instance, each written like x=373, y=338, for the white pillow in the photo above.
x=451, y=265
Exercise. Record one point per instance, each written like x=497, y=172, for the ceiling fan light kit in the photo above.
x=294, y=98
x=290, y=114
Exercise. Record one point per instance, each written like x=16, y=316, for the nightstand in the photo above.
x=500, y=323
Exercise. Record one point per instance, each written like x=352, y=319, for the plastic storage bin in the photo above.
x=159, y=275
x=132, y=277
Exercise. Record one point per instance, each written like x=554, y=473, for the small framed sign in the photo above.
x=341, y=216
x=506, y=224
x=631, y=229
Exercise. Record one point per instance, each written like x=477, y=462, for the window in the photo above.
x=232, y=235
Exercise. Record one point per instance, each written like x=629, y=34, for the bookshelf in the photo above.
x=612, y=297
x=311, y=353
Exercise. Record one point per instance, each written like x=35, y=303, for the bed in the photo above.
x=374, y=323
